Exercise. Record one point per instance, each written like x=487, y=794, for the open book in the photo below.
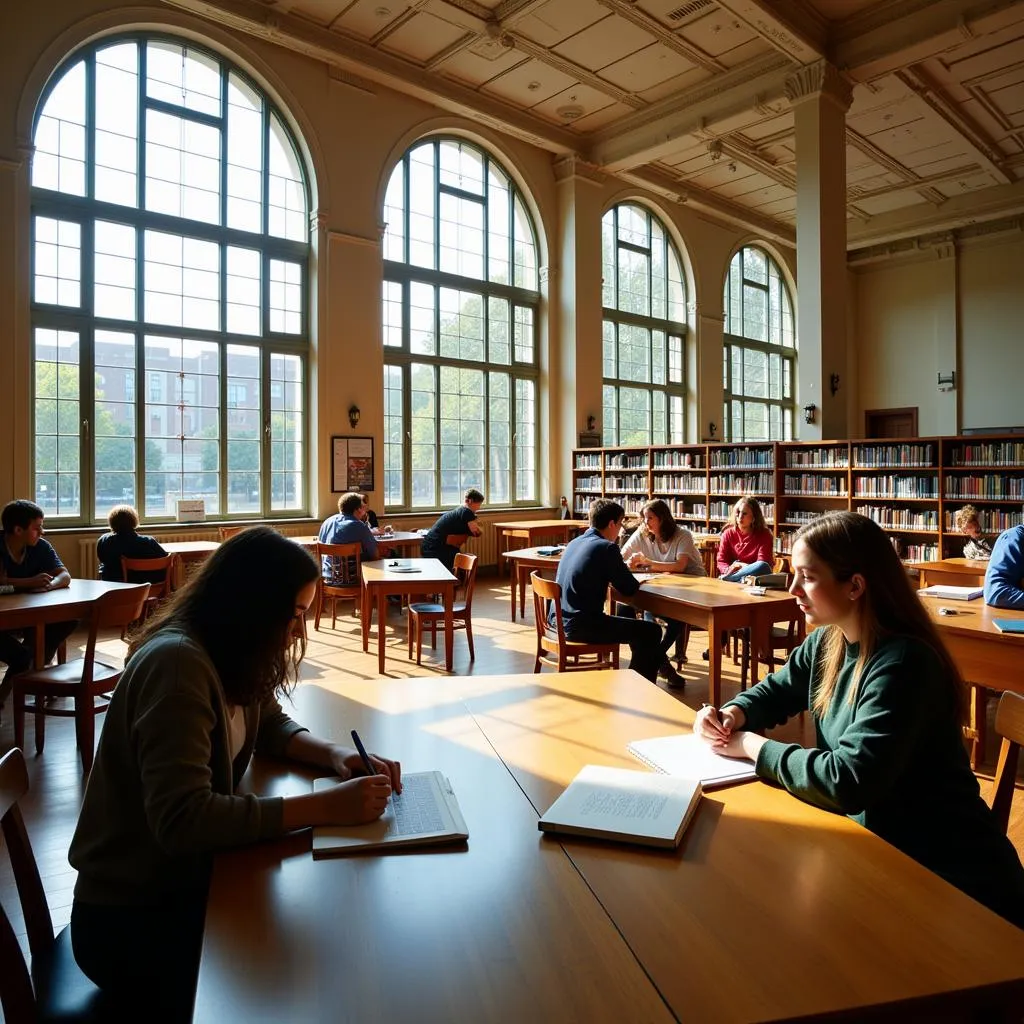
x=952, y=593
x=687, y=755
x=425, y=812
x=619, y=804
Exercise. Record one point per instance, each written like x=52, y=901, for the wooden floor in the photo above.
x=501, y=646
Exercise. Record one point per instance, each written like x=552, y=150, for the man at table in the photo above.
x=1004, y=577
x=456, y=524
x=349, y=527
x=588, y=565
x=27, y=562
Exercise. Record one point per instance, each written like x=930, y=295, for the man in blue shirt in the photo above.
x=1004, y=577
x=589, y=564
x=27, y=562
x=349, y=527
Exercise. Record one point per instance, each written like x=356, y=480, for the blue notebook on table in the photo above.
x=1009, y=625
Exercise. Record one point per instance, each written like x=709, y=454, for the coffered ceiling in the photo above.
x=689, y=98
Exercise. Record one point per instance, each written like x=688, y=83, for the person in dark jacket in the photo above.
x=124, y=541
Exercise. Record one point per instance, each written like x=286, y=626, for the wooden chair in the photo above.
x=431, y=614
x=552, y=646
x=345, y=583
x=1009, y=725
x=159, y=590
x=224, y=532
x=55, y=989
x=82, y=679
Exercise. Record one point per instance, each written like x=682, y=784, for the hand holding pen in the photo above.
x=377, y=765
x=717, y=726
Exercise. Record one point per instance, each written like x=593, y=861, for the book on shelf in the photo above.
x=1009, y=625
x=426, y=812
x=952, y=593
x=686, y=755
x=624, y=805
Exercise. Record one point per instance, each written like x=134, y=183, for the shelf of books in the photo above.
x=911, y=487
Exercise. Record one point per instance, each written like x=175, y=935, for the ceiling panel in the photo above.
x=603, y=43
x=646, y=68
x=557, y=20
x=529, y=83
x=719, y=32
x=671, y=86
x=576, y=96
x=475, y=70
x=422, y=36
x=365, y=18
x=323, y=12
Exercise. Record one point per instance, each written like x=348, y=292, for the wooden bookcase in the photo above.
x=911, y=486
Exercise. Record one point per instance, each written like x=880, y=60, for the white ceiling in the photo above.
x=689, y=97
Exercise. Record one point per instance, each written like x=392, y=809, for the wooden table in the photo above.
x=522, y=562
x=986, y=658
x=380, y=580
x=714, y=605
x=955, y=572
x=36, y=609
x=770, y=910
x=532, y=530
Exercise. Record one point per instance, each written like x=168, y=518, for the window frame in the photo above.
x=88, y=212
x=402, y=358
x=738, y=342
x=615, y=318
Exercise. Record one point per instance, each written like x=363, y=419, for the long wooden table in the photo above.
x=986, y=658
x=36, y=609
x=393, y=576
x=770, y=910
x=955, y=572
x=532, y=530
x=522, y=561
x=714, y=605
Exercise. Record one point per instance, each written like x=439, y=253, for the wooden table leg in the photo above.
x=513, y=572
x=449, y=625
x=522, y=572
x=382, y=618
x=714, y=663
x=367, y=613
x=499, y=536
x=40, y=646
x=979, y=713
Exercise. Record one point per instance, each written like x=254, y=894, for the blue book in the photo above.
x=1009, y=625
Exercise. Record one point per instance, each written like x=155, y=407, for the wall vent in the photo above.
x=688, y=10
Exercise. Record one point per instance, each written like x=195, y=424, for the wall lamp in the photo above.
x=809, y=411
x=833, y=384
x=353, y=416
x=591, y=422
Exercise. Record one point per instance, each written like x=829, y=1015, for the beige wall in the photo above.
x=948, y=310
x=353, y=134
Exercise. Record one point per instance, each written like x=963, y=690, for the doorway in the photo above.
x=890, y=422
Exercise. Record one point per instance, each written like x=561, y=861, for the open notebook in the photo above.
x=689, y=756
x=425, y=812
x=627, y=806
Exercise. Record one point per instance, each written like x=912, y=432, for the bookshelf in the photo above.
x=911, y=487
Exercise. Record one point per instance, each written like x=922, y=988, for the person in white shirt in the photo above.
x=662, y=545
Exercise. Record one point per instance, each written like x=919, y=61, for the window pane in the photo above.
x=245, y=156
x=57, y=422
x=287, y=216
x=244, y=489
x=285, y=297
x=610, y=409
x=422, y=319
x=185, y=77
x=659, y=272
x=633, y=221
x=422, y=197
x=114, y=271
x=461, y=167
x=498, y=331
x=461, y=236
x=244, y=292
x=182, y=167
x=394, y=436
x=634, y=353
x=634, y=416
x=462, y=432
x=58, y=262
x=115, y=445
x=499, y=447
x=608, y=260
x=117, y=124
x=659, y=357
x=423, y=394
x=525, y=249
x=287, y=432
x=634, y=283
x=755, y=313
x=182, y=278
x=392, y=304
x=499, y=223
x=58, y=162
x=462, y=326
x=524, y=335
x=609, y=344
x=394, y=216
x=526, y=443
x=755, y=268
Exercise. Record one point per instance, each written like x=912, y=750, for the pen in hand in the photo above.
x=715, y=722
x=363, y=755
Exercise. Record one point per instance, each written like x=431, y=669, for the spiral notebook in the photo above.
x=688, y=756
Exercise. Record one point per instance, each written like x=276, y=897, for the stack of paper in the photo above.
x=953, y=593
x=687, y=755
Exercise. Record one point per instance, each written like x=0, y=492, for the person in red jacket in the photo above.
x=746, y=545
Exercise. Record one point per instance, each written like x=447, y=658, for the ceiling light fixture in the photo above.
x=570, y=112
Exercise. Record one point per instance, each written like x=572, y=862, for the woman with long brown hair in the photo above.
x=887, y=704
x=197, y=698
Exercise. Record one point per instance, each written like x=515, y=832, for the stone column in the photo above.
x=576, y=364
x=820, y=97
x=707, y=394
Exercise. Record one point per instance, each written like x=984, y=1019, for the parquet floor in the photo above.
x=501, y=647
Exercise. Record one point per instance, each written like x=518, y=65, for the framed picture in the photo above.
x=351, y=464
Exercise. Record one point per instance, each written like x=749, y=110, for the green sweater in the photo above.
x=160, y=798
x=894, y=760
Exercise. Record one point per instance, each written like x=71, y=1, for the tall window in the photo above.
x=644, y=303
x=460, y=310
x=760, y=350
x=170, y=254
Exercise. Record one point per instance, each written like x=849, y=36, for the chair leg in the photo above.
x=334, y=613
x=409, y=629
x=319, y=607
x=433, y=634
x=419, y=640
x=40, y=717
x=85, y=730
x=469, y=638
x=19, y=719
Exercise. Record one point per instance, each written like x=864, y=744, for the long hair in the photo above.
x=757, y=523
x=850, y=543
x=667, y=524
x=240, y=607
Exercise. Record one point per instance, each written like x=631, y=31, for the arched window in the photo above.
x=644, y=301
x=170, y=254
x=460, y=310
x=760, y=350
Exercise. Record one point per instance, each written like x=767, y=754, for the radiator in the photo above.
x=89, y=564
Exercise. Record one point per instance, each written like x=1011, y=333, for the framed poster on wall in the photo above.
x=351, y=464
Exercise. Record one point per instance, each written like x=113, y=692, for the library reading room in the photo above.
x=513, y=510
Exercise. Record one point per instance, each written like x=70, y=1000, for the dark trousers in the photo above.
x=18, y=652
x=145, y=959
x=644, y=639
x=673, y=628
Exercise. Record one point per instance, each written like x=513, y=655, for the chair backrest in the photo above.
x=16, y=994
x=465, y=573
x=545, y=591
x=158, y=572
x=224, y=532
x=344, y=564
x=120, y=607
x=1009, y=725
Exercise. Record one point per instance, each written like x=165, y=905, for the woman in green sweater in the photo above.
x=197, y=698
x=886, y=700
